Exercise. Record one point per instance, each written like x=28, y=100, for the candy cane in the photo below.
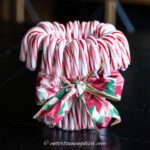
x=65, y=122
x=24, y=45
x=81, y=30
x=95, y=60
x=124, y=48
x=75, y=59
x=86, y=31
x=49, y=56
x=47, y=40
x=67, y=60
x=84, y=117
x=57, y=29
x=32, y=54
x=106, y=28
x=59, y=125
x=63, y=31
x=93, y=25
x=104, y=54
x=124, y=58
x=83, y=58
x=59, y=57
x=72, y=118
x=114, y=57
x=117, y=49
x=29, y=52
x=76, y=29
x=75, y=116
x=121, y=53
x=47, y=26
x=69, y=31
x=78, y=113
x=121, y=37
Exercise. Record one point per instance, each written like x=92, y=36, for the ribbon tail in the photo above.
x=57, y=107
x=101, y=111
x=49, y=104
x=116, y=122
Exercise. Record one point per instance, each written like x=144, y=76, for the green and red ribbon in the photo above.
x=57, y=96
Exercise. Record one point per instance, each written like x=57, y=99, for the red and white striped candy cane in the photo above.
x=93, y=25
x=46, y=43
x=106, y=28
x=104, y=54
x=67, y=61
x=96, y=24
x=124, y=57
x=76, y=25
x=114, y=57
x=29, y=52
x=72, y=119
x=47, y=26
x=75, y=73
x=94, y=57
x=49, y=56
x=57, y=29
x=25, y=41
x=83, y=54
x=32, y=54
x=69, y=31
x=81, y=30
x=59, y=57
x=78, y=112
x=74, y=115
x=117, y=49
x=62, y=31
x=86, y=31
x=97, y=31
x=121, y=37
x=124, y=49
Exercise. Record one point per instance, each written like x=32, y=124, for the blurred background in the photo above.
x=17, y=16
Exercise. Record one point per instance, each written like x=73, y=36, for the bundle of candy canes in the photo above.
x=78, y=72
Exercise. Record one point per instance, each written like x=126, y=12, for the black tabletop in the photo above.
x=17, y=88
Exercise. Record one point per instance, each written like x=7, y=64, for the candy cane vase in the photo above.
x=78, y=76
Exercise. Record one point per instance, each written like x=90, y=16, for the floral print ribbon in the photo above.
x=57, y=96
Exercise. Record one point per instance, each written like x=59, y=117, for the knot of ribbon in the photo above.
x=57, y=96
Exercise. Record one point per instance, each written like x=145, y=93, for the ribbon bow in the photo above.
x=57, y=95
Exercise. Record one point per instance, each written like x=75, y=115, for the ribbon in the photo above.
x=57, y=96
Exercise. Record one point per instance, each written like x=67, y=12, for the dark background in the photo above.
x=17, y=84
